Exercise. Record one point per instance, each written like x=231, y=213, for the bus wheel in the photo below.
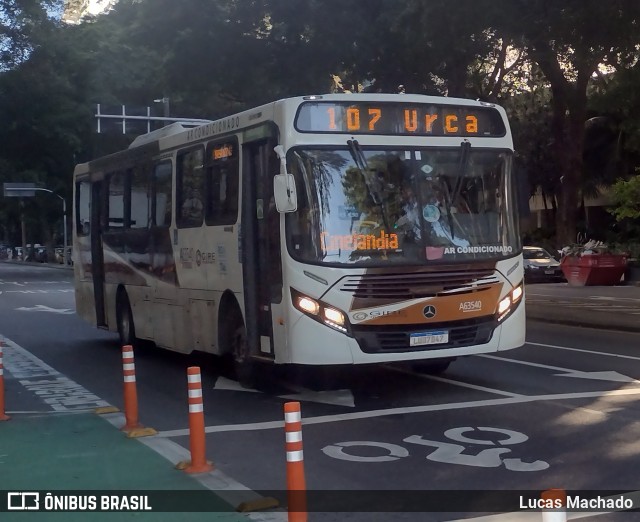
x=124, y=318
x=435, y=367
x=243, y=365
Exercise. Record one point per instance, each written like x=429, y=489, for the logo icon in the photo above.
x=23, y=501
x=429, y=311
x=360, y=316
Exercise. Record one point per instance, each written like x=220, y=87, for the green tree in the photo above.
x=625, y=196
x=569, y=41
x=44, y=119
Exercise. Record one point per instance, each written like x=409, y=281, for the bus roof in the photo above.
x=178, y=134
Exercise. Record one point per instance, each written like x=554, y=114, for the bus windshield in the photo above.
x=368, y=207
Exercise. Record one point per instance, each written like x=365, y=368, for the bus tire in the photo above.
x=244, y=368
x=124, y=319
x=434, y=367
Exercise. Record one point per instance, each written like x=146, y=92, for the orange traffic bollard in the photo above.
x=130, y=390
x=199, y=463
x=296, y=485
x=3, y=416
x=558, y=499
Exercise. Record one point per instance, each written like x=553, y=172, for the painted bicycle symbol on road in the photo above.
x=450, y=452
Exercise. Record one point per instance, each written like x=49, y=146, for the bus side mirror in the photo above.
x=284, y=193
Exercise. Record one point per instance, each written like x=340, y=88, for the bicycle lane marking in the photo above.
x=47, y=384
x=448, y=452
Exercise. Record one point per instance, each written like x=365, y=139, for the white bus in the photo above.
x=321, y=230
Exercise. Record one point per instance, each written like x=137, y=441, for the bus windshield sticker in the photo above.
x=359, y=241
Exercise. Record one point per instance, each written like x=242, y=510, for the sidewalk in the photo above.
x=605, y=307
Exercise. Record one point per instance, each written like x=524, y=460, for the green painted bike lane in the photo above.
x=81, y=452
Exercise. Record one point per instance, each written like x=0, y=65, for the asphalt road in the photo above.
x=560, y=412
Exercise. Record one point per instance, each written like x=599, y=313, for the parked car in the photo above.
x=540, y=266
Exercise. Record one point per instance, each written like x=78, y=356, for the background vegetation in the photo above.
x=566, y=71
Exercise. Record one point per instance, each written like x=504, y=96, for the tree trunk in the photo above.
x=571, y=170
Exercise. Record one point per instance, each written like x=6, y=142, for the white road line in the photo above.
x=323, y=419
x=456, y=383
x=611, y=376
x=592, y=352
x=527, y=363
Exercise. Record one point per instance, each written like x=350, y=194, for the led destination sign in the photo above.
x=399, y=118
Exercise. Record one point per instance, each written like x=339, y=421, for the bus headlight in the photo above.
x=333, y=315
x=308, y=305
x=504, y=305
x=320, y=311
x=509, y=302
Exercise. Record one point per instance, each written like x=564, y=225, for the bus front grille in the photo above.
x=416, y=285
x=386, y=339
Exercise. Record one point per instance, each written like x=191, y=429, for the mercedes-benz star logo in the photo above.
x=429, y=311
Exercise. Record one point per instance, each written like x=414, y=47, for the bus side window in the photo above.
x=190, y=188
x=116, y=202
x=140, y=206
x=162, y=194
x=83, y=208
x=222, y=184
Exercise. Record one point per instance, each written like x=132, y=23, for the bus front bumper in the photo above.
x=313, y=343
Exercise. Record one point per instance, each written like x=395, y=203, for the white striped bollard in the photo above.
x=197, y=443
x=130, y=390
x=296, y=485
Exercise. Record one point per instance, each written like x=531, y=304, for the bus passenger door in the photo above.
x=262, y=268
x=98, y=216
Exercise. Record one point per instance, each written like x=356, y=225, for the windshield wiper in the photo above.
x=370, y=181
x=363, y=167
x=465, y=149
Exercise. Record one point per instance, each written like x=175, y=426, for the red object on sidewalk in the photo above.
x=130, y=390
x=594, y=269
x=199, y=463
x=3, y=415
x=296, y=485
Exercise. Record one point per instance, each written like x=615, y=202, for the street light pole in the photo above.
x=165, y=104
x=64, y=214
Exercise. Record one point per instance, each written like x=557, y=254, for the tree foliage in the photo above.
x=540, y=58
x=626, y=198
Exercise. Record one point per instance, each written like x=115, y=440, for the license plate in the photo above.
x=549, y=272
x=431, y=337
